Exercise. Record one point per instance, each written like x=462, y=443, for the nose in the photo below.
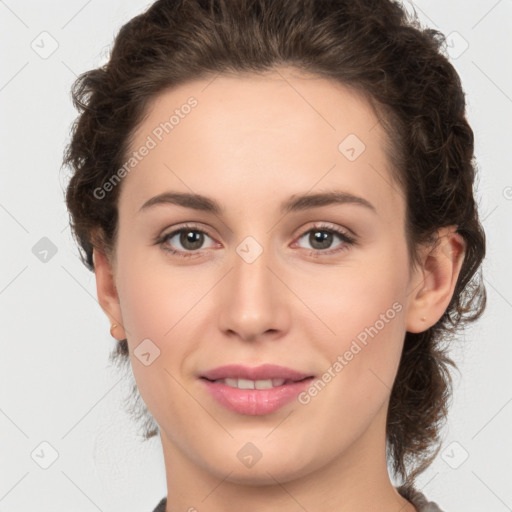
x=254, y=301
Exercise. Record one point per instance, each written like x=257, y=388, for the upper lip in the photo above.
x=263, y=372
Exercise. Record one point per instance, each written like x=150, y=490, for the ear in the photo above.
x=432, y=285
x=107, y=291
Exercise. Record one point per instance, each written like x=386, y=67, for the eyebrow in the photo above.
x=294, y=204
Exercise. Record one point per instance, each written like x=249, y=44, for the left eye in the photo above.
x=321, y=239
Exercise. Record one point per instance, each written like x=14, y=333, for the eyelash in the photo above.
x=345, y=237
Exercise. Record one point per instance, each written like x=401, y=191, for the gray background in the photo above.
x=55, y=383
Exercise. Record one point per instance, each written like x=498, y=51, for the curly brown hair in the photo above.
x=371, y=46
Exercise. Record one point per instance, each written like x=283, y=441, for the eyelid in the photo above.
x=186, y=225
x=327, y=226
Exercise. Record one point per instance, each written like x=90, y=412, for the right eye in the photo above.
x=191, y=239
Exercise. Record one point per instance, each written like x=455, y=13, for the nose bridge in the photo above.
x=253, y=302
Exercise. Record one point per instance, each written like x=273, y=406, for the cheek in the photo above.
x=361, y=311
x=362, y=356
x=156, y=305
x=153, y=297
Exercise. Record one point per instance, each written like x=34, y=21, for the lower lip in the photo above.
x=255, y=401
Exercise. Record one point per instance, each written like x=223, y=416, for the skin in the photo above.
x=251, y=143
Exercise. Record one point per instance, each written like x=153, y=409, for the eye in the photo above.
x=191, y=239
x=321, y=239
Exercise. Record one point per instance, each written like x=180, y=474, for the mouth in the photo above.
x=241, y=383
x=262, y=374
x=254, y=390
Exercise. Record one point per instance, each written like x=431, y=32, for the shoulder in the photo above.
x=418, y=499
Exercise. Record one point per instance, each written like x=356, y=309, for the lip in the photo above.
x=262, y=372
x=255, y=402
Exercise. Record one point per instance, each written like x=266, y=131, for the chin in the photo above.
x=272, y=466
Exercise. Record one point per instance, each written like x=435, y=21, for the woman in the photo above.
x=277, y=201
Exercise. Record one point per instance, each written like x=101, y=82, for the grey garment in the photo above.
x=161, y=506
x=417, y=498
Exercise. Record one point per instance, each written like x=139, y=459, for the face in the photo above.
x=319, y=286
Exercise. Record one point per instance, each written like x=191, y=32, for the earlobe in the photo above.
x=434, y=283
x=106, y=289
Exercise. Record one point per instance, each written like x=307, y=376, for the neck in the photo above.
x=357, y=480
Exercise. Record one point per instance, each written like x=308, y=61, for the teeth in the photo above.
x=252, y=384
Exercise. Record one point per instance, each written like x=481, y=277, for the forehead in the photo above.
x=284, y=129
x=288, y=100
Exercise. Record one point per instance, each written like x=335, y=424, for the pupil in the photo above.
x=191, y=239
x=322, y=237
